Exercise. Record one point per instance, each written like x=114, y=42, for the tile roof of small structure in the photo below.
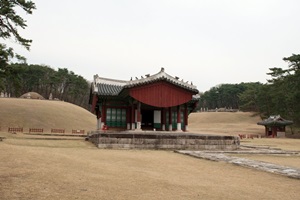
x=275, y=120
x=112, y=87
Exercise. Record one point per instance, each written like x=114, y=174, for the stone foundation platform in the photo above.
x=162, y=140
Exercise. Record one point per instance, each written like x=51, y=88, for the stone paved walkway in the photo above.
x=263, y=166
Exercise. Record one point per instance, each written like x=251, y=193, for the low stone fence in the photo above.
x=162, y=140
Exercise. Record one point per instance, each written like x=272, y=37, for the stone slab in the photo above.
x=163, y=140
x=259, y=165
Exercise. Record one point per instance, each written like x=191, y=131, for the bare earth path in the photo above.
x=80, y=171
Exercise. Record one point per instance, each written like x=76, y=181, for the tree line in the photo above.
x=63, y=84
x=19, y=78
x=279, y=96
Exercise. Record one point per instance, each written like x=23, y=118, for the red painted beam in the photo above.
x=161, y=94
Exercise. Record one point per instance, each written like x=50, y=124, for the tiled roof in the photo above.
x=107, y=87
x=275, y=121
x=112, y=87
x=110, y=90
x=162, y=75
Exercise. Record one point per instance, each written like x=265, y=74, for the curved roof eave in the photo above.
x=121, y=84
x=275, y=123
x=161, y=76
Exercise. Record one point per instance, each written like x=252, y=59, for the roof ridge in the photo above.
x=161, y=75
x=109, y=81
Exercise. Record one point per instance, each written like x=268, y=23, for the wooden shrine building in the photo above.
x=275, y=126
x=154, y=102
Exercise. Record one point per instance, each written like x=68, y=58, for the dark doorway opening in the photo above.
x=147, y=119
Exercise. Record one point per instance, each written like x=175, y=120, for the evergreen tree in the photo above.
x=10, y=21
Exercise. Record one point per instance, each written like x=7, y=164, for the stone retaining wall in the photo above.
x=162, y=140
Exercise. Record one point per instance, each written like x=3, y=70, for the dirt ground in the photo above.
x=75, y=169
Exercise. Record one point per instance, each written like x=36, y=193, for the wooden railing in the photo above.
x=14, y=130
x=77, y=131
x=56, y=130
x=36, y=130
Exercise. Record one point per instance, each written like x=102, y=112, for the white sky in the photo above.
x=208, y=42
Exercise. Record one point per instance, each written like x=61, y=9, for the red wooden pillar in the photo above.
x=132, y=117
x=185, y=118
x=170, y=119
x=94, y=103
x=274, y=131
x=163, y=119
x=138, y=118
x=266, y=131
x=178, y=119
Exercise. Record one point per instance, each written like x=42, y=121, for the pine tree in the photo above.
x=10, y=21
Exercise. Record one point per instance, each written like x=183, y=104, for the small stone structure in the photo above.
x=162, y=140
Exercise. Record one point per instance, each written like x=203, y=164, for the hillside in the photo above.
x=229, y=123
x=31, y=113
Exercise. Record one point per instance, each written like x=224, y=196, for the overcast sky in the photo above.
x=208, y=42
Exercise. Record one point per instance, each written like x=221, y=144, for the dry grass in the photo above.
x=225, y=123
x=32, y=113
x=280, y=159
x=282, y=143
x=72, y=168
x=40, y=172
